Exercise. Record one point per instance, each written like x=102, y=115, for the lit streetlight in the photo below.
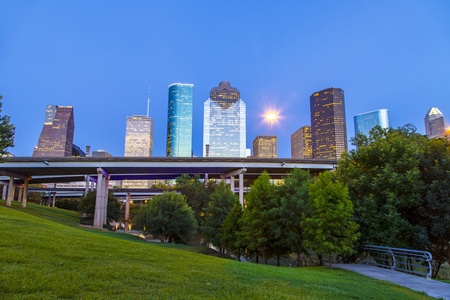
x=271, y=117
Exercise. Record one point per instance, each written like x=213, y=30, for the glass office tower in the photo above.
x=224, y=123
x=328, y=126
x=366, y=121
x=434, y=123
x=56, y=139
x=179, y=120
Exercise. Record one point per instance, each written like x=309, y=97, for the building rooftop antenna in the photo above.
x=148, y=100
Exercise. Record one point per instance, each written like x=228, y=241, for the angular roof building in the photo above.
x=56, y=139
x=434, y=123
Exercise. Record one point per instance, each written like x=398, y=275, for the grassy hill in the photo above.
x=44, y=255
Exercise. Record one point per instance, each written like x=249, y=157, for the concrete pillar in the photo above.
x=25, y=193
x=5, y=192
x=105, y=200
x=241, y=188
x=206, y=179
x=99, y=202
x=13, y=191
x=19, y=197
x=54, y=199
x=86, y=188
x=232, y=183
x=127, y=213
x=10, y=191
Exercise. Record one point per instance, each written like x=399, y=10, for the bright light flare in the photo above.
x=271, y=116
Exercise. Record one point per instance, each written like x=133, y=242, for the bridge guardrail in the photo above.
x=400, y=259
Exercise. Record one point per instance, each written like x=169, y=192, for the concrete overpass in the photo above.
x=25, y=170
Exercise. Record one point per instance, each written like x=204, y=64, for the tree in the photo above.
x=6, y=133
x=384, y=183
x=230, y=230
x=196, y=193
x=433, y=215
x=168, y=218
x=294, y=196
x=219, y=206
x=87, y=206
x=261, y=231
x=329, y=229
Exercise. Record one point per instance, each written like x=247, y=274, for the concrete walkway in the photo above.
x=432, y=288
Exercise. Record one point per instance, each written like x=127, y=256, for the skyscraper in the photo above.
x=301, y=143
x=179, y=120
x=138, y=143
x=328, y=126
x=224, y=123
x=56, y=139
x=434, y=123
x=265, y=146
x=366, y=121
x=139, y=136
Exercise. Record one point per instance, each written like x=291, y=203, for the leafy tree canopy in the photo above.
x=87, y=205
x=6, y=132
x=329, y=228
x=168, y=218
x=230, y=230
x=221, y=203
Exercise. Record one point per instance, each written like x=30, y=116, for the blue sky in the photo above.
x=101, y=56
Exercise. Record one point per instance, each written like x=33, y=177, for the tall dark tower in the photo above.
x=328, y=126
x=56, y=139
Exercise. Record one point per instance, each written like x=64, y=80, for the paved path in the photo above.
x=432, y=288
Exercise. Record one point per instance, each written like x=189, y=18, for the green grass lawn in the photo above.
x=43, y=259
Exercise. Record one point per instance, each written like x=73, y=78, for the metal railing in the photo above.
x=400, y=259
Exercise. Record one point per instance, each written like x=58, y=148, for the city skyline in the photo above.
x=383, y=55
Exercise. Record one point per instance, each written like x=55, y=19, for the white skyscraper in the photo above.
x=224, y=124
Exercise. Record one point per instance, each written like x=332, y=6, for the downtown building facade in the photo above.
x=56, y=139
x=138, y=143
x=224, y=123
x=434, y=123
x=366, y=121
x=301, y=143
x=328, y=125
x=179, y=120
x=265, y=146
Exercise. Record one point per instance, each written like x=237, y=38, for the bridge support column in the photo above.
x=25, y=193
x=99, y=202
x=10, y=191
x=54, y=199
x=206, y=179
x=19, y=197
x=5, y=192
x=232, y=183
x=127, y=213
x=241, y=188
x=101, y=198
x=105, y=199
x=88, y=182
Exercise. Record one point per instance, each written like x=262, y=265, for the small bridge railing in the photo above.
x=400, y=259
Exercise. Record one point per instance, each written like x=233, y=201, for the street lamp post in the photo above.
x=271, y=117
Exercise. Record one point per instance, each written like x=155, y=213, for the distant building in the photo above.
x=224, y=123
x=56, y=139
x=301, y=143
x=366, y=121
x=101, y=153
x=434, y=123
x=77, y=152
x=265, y=146
x=138, y=143
x=328, y=125
x=179, y=120
x=88, y=151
